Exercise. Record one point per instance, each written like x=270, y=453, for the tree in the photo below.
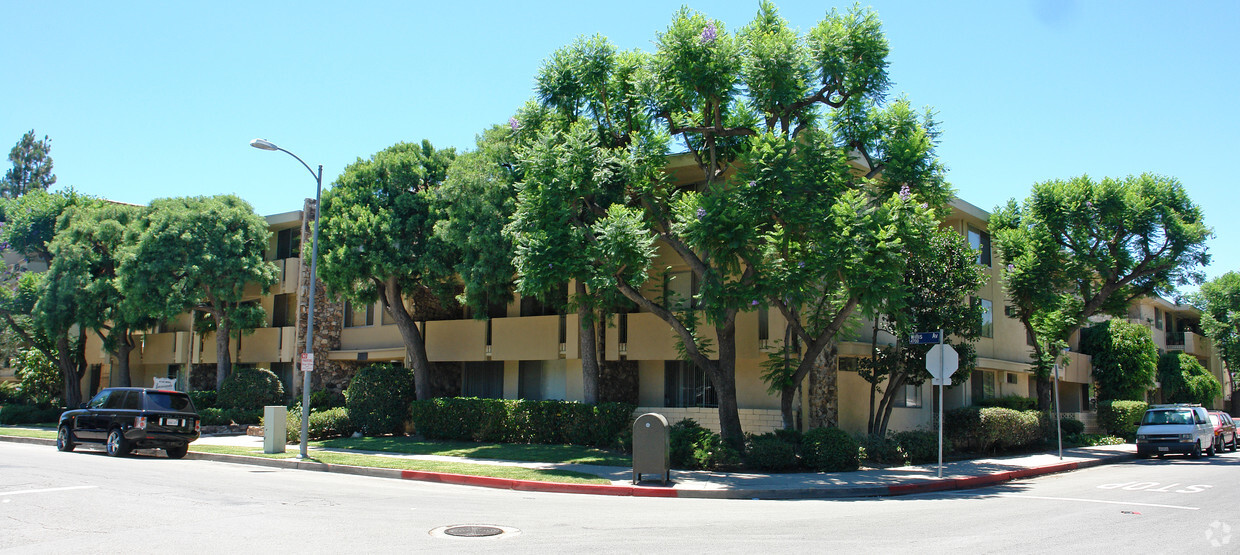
x=1185, y=380
x=938, y=282
x=32, y=167
x=1080, y=248
x=32, y=221
x=1219, y=302
x=377, y=238
x=198, y=253
x=595, y=201
x=1124, y=358
x=84, y=278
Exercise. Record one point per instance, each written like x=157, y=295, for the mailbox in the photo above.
x=651, y=451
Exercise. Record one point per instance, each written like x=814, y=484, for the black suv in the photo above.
x=125, y=418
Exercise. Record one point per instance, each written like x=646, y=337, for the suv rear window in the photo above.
x=168, y=401
x=1155, y=417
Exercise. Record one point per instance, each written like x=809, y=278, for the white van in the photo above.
x=1175, y=429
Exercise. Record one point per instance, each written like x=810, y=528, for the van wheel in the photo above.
x=64, y=439
x=1213, y=449
x=117, y=445
x=1196, y=451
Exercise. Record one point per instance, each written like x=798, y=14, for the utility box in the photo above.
x=651, y=447
x=275, y=429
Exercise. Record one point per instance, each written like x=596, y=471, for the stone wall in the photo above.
x=328, y=320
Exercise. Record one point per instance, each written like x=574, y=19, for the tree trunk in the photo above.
x=588, y=346
x=1045, y=392
x=223, y=361
x=824, y=390
x=869, y=424
x=68, y=371
x=124, y=346
x=724, y=381
x=896, y=382
x=393, y=299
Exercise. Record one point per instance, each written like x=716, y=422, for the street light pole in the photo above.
x=264, y=144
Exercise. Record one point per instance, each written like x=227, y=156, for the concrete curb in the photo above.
x=833, y=492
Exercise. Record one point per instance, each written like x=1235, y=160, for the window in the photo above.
x=686, y=385
x=983, y=385
x=980, y=241
x=484, y=380
x=358, y=316
x=909, y=398
x=1158, y=319
x=764, y=324
x=288, y=243
x=680, y=290
x=987, y=328
x=283, y=309
x=1010, y=311
x=1011, y=378
x=530, y=380
x=545, y=306
x=284, y=371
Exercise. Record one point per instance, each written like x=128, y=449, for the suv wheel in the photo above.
x=116, y=445
x=177, y=452
x=64, y=440
x=1233, y=443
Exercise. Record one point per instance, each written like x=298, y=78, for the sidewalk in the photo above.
x=736, y=485
x=702, y=484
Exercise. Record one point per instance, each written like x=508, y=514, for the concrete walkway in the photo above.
x=747, y=485
x=702, y=484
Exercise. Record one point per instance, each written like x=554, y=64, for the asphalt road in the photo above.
x=54, y=502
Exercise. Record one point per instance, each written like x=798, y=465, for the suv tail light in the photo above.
x=139, y=422
x=197, y=425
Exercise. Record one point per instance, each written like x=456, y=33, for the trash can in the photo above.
x=275, y=424
x=651, y=448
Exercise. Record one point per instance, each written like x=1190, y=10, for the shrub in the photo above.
x=250, y=388
x=1091, y=440
x=29, y=414
x=919, y=446
x=378, y=399
x=203, y=399
x=769, y=452
x=1069, y=424
x=686, y=437
x=9, y=393
x=324, y=399
x=830, y=450
x=1121, y=418
x=40, y=380
x=988, y=429
x=518, y=421
x=324, y=424
x=1014, y=402
x=881, y=449
x=229, y=417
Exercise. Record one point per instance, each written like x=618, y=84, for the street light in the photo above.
x=264, y=144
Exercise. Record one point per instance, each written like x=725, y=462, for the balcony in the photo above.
x=1188, y=342
x=166, y=348
x=264, y=345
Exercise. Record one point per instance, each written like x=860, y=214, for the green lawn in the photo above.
x=28, y=431
x=375, y=461
x=502, y=451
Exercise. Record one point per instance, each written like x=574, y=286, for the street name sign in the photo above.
x=924, y=338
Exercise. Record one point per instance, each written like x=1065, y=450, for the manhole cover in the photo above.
x=473, y=531
x=481, y=531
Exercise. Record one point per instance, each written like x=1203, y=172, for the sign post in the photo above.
x=942, y=361
x=1058, y=422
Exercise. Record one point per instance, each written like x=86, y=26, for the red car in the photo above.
x=1224, y=430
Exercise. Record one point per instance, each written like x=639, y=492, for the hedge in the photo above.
x=228, y=417
x=324, y=424
x=988, y=429
x=378, y=399
x=830, y=450
x=522, y=421
x=250, y=388
x=1121, y=418
x=29, y=414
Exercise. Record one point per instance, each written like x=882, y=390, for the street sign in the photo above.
x=307, y=362
x=942, y=361
x=924, y=337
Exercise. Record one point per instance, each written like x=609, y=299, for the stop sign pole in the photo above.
x=941, y=368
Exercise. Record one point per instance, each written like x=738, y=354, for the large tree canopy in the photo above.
x=1219, y=302
x=378, y=238
x=32, y=167
x=797, y=218
x=198, y=253
x=1124, y=359
x=1081, y=247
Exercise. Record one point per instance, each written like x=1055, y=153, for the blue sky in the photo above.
x=148, y=100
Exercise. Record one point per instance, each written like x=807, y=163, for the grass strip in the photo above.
x=42, y=433
x=374, y=461
x=574, y=454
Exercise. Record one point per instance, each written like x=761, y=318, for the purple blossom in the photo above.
x=751, y=183
x=924, y=206
x=701, y=213
x=800, y=264
x=905, y=193
x=1089, y=204
x=514, y=124
x=1011, y=268
x=755, y=303
x=708, y=34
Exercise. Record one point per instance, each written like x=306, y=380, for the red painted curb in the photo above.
x=920, y=487
x=525, y=485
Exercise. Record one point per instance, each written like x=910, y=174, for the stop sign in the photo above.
x=942, y=361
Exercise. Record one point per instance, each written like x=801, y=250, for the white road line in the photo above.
x=49, y=490
x=1020, y=496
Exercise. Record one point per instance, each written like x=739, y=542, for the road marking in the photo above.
x=49, y=490
x=1098, y=501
